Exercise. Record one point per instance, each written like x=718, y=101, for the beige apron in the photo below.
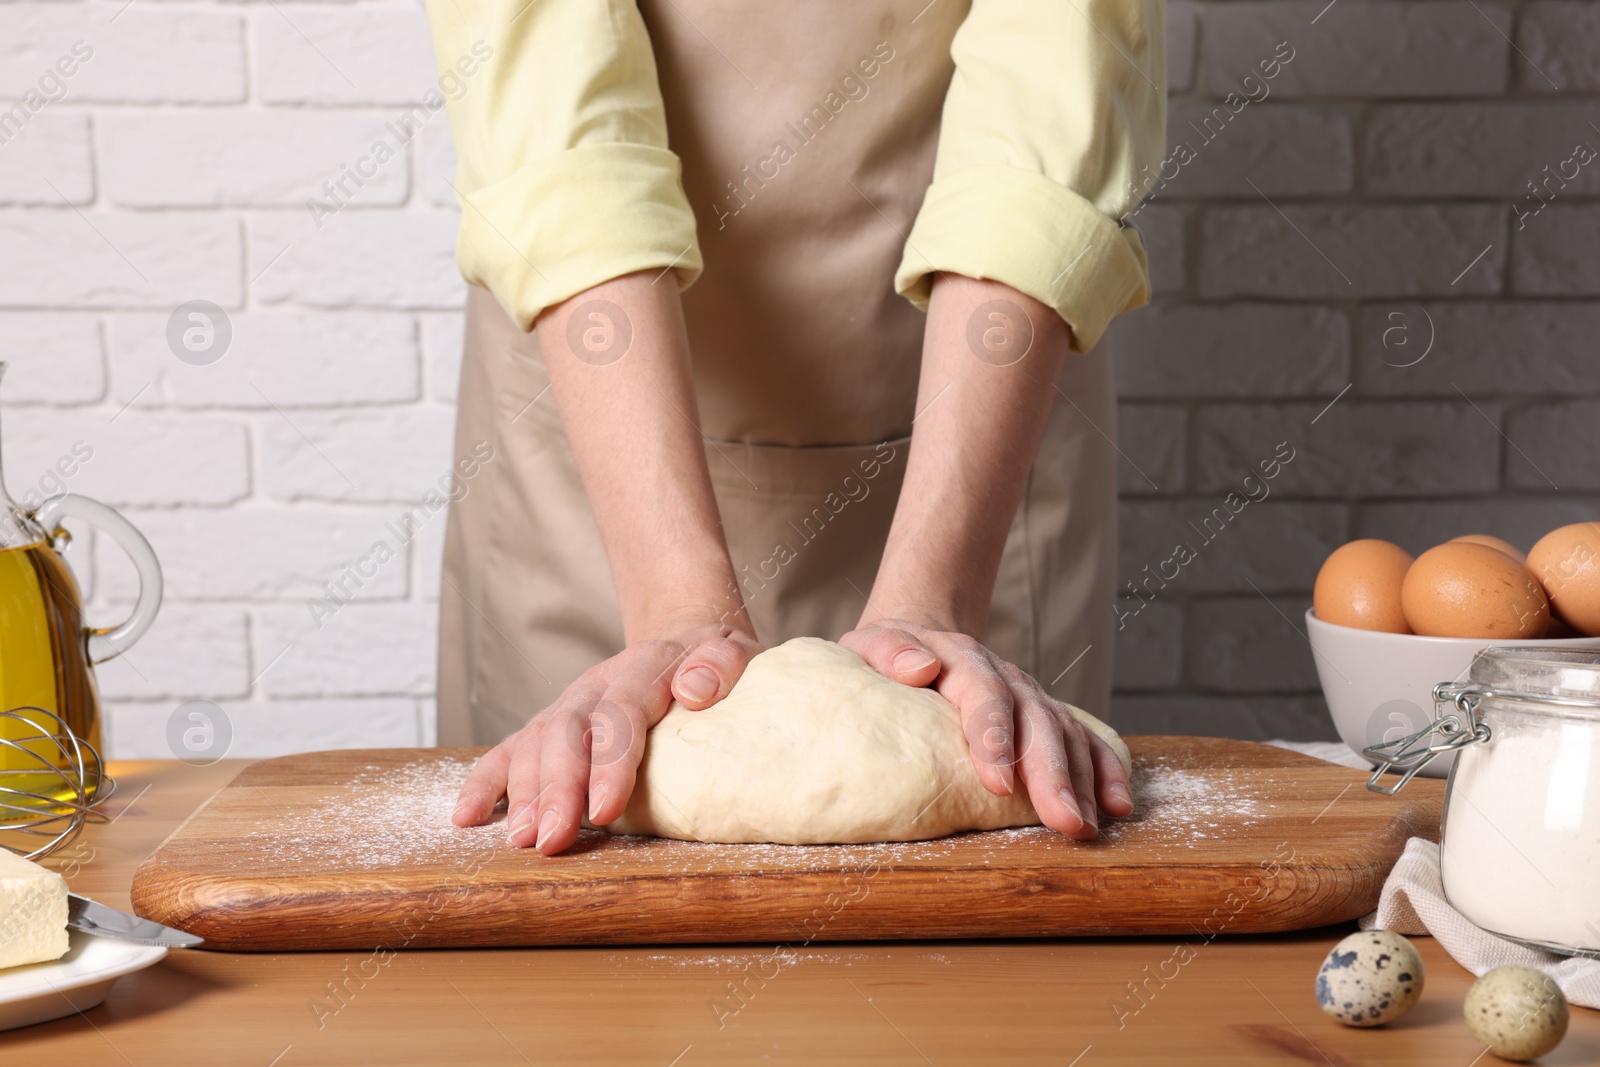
x=805, y=365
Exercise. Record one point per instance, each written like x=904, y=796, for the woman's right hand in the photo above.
x=587, y=745
x=628, y=404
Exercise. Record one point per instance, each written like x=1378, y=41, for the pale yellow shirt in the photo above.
x=1053, y=120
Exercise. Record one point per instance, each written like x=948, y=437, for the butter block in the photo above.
x=33, y=912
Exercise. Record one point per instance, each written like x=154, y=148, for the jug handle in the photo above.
x=109, y=642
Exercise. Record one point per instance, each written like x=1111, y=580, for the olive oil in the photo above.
x=43, y=664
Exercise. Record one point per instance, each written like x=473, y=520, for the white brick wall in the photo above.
x=265, y=159
x=176, y=167
x=1353, y=198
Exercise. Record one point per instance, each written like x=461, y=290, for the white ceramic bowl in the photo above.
x=1379, y=686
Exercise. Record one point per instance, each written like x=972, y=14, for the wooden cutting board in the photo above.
x=354, y=850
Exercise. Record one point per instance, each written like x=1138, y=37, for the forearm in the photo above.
x=990, y=361
x=618, y=359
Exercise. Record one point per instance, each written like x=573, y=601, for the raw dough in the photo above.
x=815, y=747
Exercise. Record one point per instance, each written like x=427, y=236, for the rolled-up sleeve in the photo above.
x=563, y=172
x=1055, y=110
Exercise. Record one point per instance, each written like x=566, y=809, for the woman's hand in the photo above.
x=991, y=358
x=1013, y=727
x=626, y=397
x=587, y=745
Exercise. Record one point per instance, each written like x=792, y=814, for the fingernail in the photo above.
x=547, y=826
x=1086, y=808
x=520, y=818
x=1120, y=792
x=913, y=659
x=597, y=800
x=460, y=807
x=1072, y=808
x=699, y=684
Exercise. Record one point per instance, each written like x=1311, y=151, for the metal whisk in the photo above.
x=49, y=780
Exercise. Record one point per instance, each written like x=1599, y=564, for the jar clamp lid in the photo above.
x=1564, y=678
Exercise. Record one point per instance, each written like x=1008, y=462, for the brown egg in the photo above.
x=1567, y=564
x=1496, y=543
x=1559, y=630
x=1468, y=590
x=1359, y=586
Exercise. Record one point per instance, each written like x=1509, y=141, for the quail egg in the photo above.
x=1520, y=1013
x=1370, y=978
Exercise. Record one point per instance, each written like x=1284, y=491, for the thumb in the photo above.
x=894, y=653
x=709, y=671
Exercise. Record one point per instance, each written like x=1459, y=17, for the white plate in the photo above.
x=76, y=982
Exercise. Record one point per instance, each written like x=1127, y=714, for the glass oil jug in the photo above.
x=47, y=652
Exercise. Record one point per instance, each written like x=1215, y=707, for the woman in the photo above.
x=702, y=235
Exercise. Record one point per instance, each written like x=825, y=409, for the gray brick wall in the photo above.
x=1354, y=197
x=1359, y=213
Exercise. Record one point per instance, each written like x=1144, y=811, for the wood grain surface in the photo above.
x=1228, y=1002
x=353, y=849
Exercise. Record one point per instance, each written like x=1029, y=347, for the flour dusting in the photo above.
x=1172, y=807
x=389, y=818
x=398, y=817
x=1188, y=807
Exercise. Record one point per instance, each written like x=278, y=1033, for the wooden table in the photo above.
x=1232, y=1001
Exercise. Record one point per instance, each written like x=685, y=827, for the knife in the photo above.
x=85, y=916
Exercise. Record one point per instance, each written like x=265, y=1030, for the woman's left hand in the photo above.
x=1014, y=729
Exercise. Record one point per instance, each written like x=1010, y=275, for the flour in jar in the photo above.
x=1521, y=848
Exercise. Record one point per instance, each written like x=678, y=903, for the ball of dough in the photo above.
x=1520, y=1013
x=1370, y=978
x=813, y=746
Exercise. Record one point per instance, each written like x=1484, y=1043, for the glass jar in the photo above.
x=1520, y=834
